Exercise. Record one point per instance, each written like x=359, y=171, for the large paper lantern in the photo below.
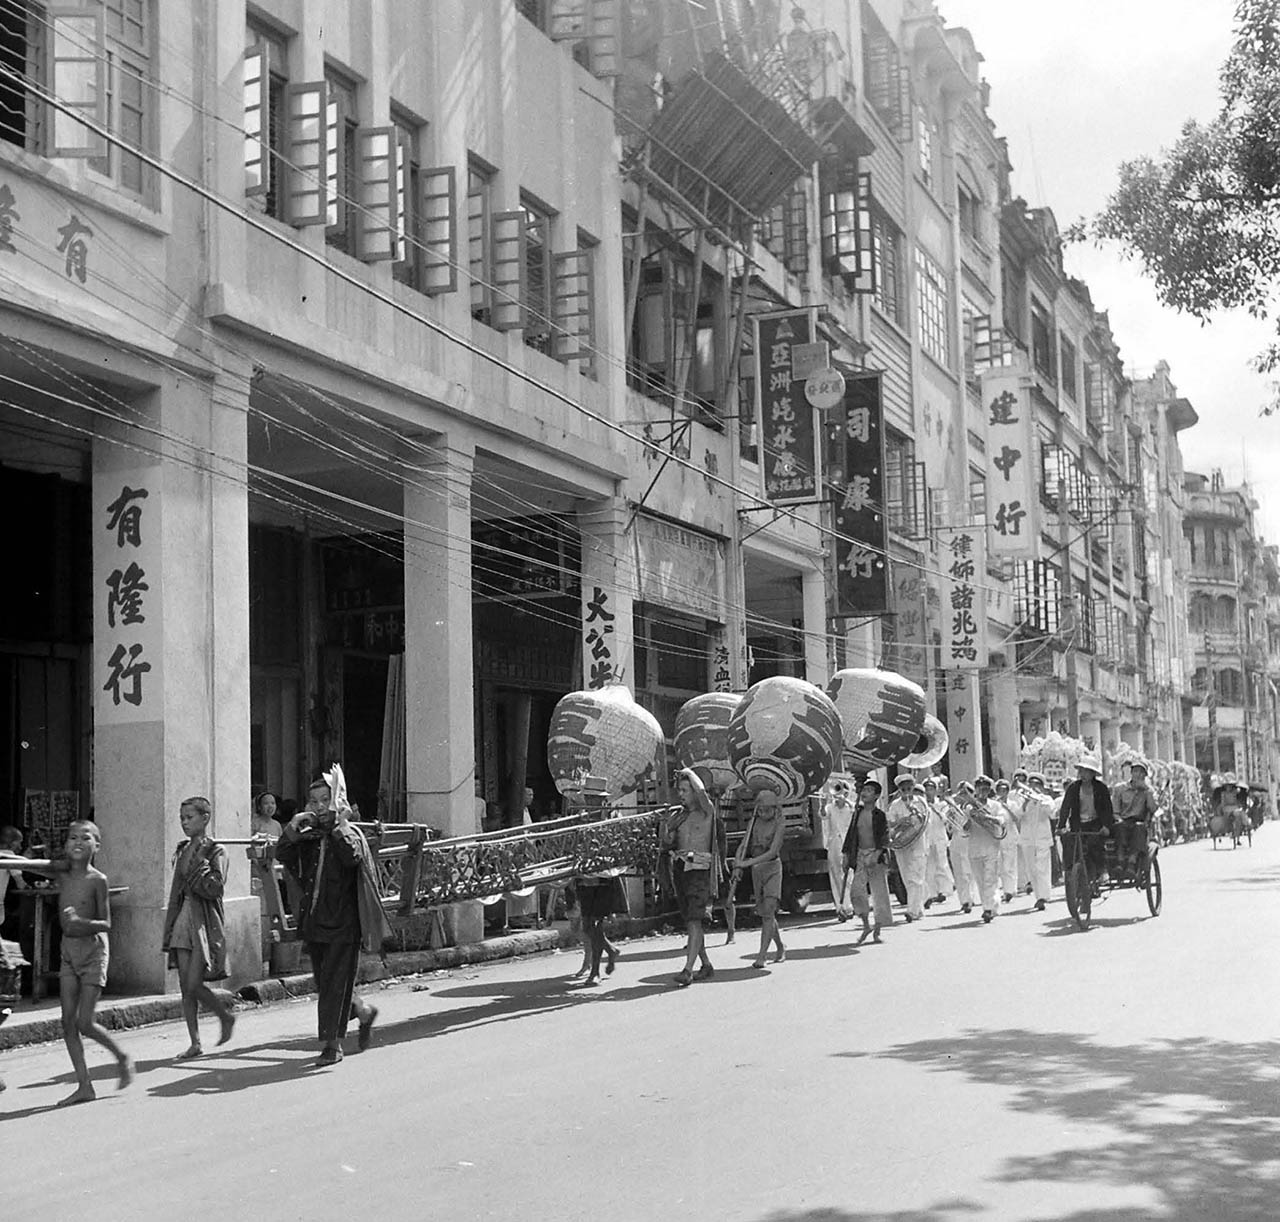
x=702, y=738
x=602, y=733
x=882, y=714
x=784, y=736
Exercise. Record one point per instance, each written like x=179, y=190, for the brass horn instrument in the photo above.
x=995, y=827
x=953, y=815
x=904, y=833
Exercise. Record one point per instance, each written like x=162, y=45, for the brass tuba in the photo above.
x=993, y=825
x=904, y=833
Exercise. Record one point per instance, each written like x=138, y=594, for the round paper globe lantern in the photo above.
x=882, y=714
x=702, y=738
x=602, y=733
x=784, y=736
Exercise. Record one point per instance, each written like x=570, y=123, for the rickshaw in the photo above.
x=1083, y=888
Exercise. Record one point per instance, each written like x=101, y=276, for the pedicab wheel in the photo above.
x=1079, y=896
x=1155, y=890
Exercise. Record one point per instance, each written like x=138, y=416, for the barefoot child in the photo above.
x=761, y=853
x=194, y=937
x=86, y=920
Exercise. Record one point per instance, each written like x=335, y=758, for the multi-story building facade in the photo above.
x=1232, y=588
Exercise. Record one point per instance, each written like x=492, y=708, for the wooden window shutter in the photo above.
x=840, y=220
x=594, y=22
x=257, y=148
x=573, y=304
x=379, y=222
x=334, y=187
x=438, y=228
x=307, y=136
x=864, y=278
x=78, y=77
x=507, y=268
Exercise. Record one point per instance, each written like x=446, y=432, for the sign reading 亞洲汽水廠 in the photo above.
x=1013, y=506
x=789, y=438
x=963, y=563
x=127, y=639
x=856, y=485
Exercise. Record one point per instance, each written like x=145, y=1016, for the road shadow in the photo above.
x=951, y=1211
x=1196, y=1121
x=832, y=950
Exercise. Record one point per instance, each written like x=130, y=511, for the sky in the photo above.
x=1078, y=89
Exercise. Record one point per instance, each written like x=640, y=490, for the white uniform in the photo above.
x=937, y=871
x=984, y=857
x=1037, y=841
x=910, y=859
x=966, y=884
x=837, y=817
x=1009, y=846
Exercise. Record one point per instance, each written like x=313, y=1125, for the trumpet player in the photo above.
x=966, y=885
x=937, y=871
x=907, y=818
x=1037, y=837
x=986, y=819
x=1011, y=799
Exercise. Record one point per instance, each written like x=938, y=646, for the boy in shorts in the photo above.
x=85, y=909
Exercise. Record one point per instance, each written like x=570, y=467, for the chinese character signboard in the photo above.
x=599, y=641
x=680, y=568
x=964, y=727
x=1013, y=502
x=909, y=656
x=962, y=559
x=127, y=598
x=787, y=431
x=856, y=485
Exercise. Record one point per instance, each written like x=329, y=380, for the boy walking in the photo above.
x=84, y=906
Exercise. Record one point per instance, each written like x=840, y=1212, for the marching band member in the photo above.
x=984, y=844
x=904, y=810
x=1037, y=838
x=866, y=854
x=1011, y=800
x=937, y=871
x=838, y=814
x=966, y=885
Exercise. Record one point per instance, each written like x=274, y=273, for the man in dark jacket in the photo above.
x=326, y=854
x=865, y=857
x=1086, y=805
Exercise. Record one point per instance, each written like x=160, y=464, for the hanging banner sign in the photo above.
x=1013, y=503
x=856, y=486
x=964, y=748
x=962, y=556
x=787, y=430
x=910, y=655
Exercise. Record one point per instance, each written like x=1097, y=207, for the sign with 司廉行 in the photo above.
x=855, y=483
x=788, y=435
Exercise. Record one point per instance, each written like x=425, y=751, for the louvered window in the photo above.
x=886, y=244
x=1037, y=594
x=266, y=76
x=341, y=154
x=480, y=187
x=573, y=281
x=407, y=269
x=590, y=28
x=882, y=76
x=536, y=284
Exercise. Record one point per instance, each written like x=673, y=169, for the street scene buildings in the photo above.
x=374, y=375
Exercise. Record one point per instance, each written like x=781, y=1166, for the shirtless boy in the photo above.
x=696, y=857
x=85, y=910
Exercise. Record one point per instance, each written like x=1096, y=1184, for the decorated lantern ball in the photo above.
x=702, y=738
x=784, y=736
x=602, y=733
x=882, y=714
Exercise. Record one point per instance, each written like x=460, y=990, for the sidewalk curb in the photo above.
x=126, y=1013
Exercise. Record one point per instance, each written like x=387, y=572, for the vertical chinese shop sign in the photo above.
x=789, y=436
x=127, y=639
x=962, y=559
x=856, y=485
x=1013, y=506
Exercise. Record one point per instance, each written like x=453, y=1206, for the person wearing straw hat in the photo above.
x=905, y=808
x=1037, y=838
x=1135, y=806
x=938, y=882
x=1086, y=806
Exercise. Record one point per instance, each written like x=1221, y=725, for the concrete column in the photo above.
x=440, y=756
x=813, y=591
x=438, y=667
x=608, y=594
x=734, y=633
x=171, y=658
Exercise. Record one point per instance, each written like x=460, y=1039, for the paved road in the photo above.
x=958, y=1072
